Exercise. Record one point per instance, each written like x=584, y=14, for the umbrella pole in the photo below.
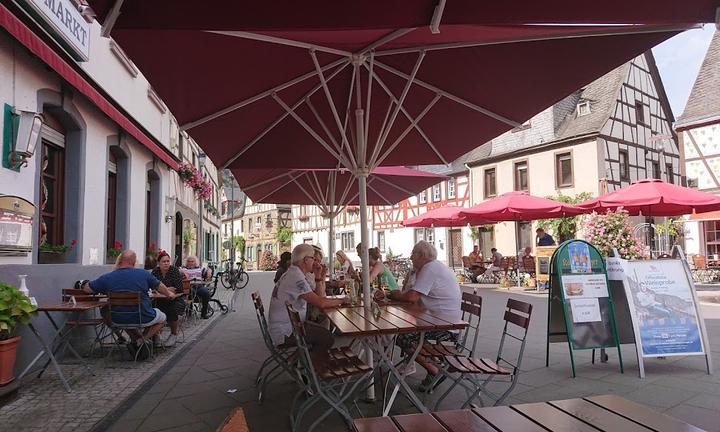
x=331, y=243
x=365, y=240
x=517, y=253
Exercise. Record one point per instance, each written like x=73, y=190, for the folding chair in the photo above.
x=468, y=369
x=334, y=378
x=96, y=323
x=281, y=356
x=471, y=307
x=468, y=270
x=128, y=304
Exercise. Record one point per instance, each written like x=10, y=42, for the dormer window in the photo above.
x=583, y=108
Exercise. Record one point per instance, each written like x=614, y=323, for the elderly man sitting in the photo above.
x=437, y=290
x=294, y=288
x=126, y=277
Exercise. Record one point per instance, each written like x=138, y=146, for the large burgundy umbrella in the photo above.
x=331, y=190
x=518, y=206
x=292, y=84
x=448, y=216
x=653, y=197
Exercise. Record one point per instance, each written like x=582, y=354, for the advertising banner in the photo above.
x=662, y=301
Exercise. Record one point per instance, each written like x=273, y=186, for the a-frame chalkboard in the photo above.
x=580, y=307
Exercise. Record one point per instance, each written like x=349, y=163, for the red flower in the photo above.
x=152, y=247
x=117, y=245
x=73, y=243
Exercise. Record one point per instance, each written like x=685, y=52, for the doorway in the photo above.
x=455, y=248
x=178, y=238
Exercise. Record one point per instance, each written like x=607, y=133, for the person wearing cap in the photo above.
x=295, y=289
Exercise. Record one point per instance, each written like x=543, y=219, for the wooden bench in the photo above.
x=604, y=413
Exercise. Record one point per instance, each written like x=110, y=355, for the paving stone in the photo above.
x=701, y=417
x=660, y=396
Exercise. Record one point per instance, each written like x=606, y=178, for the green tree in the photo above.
x=284, y=234
x=564, y=228
x=240, y=245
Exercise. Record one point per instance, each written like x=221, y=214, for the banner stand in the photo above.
x=666, y=324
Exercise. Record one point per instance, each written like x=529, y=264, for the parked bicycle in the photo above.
x=234, y=277
x=399, y=266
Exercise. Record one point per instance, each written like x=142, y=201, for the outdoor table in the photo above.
x=594, y=413
x=359, y=322
x=60, y=337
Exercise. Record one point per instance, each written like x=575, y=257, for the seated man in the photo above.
x=437, y=290
x=543, y=238
x=527, y=261
x=198, y=277
x=294, y=288
x=126, y=277
x=496, y=262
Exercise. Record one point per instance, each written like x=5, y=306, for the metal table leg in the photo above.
x=47, y=349
x=376, y=344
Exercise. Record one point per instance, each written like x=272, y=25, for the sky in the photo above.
x=679, y=60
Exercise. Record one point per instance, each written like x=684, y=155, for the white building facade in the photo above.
x=102, y=173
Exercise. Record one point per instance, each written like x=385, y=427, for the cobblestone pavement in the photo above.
x=217, y=374
x=43, y=405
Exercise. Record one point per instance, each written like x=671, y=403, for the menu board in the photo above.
x=662, y=302
x=580, y=306
x=16, y=224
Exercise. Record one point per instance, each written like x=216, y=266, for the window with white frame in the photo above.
x=422, y=197
x=436, y=192
x=348, y=241
x=427, y=234
x=381, y=241
x=451, y=188
x=583, y=108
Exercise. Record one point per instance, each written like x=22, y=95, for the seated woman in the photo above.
x=378, y=268
x=346, y=268
x=283, y=265
x=172, y=278
x=199, y=277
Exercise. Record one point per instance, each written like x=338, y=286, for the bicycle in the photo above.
x=235, y=277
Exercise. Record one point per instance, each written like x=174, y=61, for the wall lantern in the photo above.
x=26, y=126
x=202, y=158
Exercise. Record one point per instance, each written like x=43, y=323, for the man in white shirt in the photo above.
x=293, y=287
x=496, y=262
x=437, y=290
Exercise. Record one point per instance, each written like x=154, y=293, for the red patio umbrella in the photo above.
x=653, y=197
x=364, y=84
x=518, y=206
x=440, y=217
x=333, y=189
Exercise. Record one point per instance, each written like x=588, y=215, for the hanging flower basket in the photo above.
x=353, y=209
x=303, y=218
x=193, y=179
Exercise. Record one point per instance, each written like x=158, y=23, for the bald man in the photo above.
x=126, y=278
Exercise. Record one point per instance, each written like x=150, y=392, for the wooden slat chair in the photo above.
x=282, y=356
x=471, y=307
x=78, y=320
x=468, y=270
x=528, y=265
x=118, y=302
x=467, y=371
x=333, y=379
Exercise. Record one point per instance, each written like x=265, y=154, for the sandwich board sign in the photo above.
x=663, y=304
x=580, y=307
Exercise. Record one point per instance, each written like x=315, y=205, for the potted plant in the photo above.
x=15, y=308
x=114, y=251
x=54, y=254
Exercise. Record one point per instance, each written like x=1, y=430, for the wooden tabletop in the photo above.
x=70, y=307
x=604, y=413
x=394, y=319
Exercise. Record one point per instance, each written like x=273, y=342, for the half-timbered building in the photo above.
x=698, y=131
x=612, y=132
x=311, y=225
x=451, y=243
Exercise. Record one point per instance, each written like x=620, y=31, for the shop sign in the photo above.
x=65, y=24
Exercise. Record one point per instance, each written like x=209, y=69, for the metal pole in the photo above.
x=232, y=216
x=331, y=242
x=200, y=234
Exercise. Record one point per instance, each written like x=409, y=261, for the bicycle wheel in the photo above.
x=225, y=280
x=212, y=288
x=242, y=279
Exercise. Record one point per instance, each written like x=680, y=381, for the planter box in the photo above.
x=51, y=258
x=8, y=352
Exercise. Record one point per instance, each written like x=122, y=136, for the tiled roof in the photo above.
x=704, y=100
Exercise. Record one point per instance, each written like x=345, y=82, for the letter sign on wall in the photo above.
x=65, y=24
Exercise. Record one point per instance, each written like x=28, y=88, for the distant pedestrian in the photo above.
x=543, y=238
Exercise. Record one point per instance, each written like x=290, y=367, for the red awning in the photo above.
x=38, y=47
